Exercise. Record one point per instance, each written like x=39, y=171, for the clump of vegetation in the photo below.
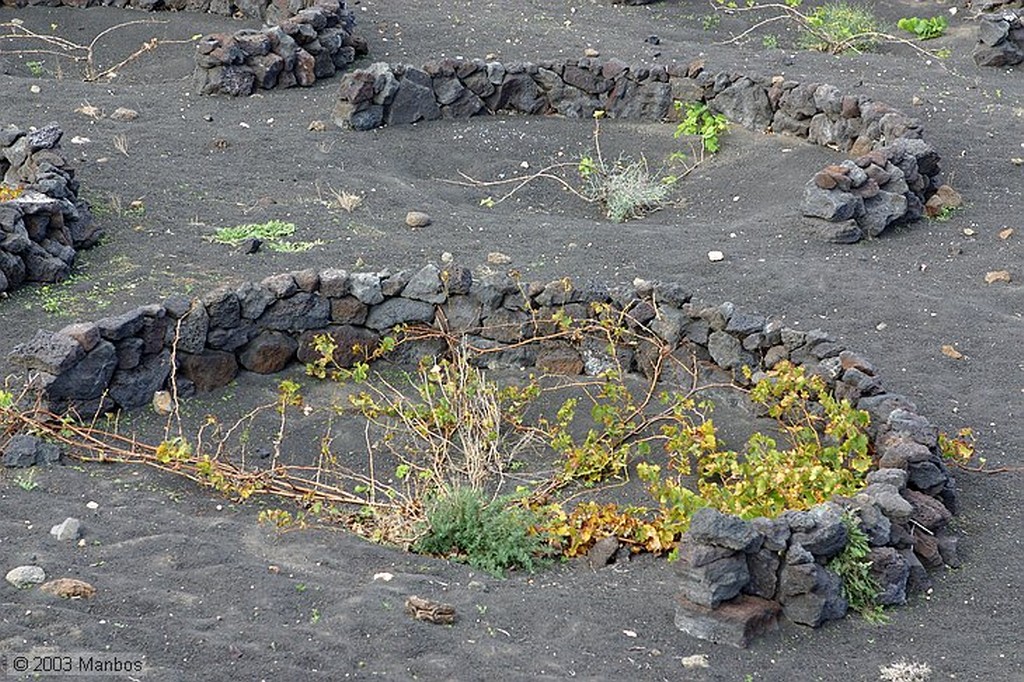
x=924, y=29
x=9, y=193
x=625, y=189
x=494, y=536
x=860, y=589
x=272, y=233
x=837, y=27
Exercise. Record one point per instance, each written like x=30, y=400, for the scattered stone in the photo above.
x=736, y=622
x=716, y=256
x=163, y=403
x=67, y=530
x=603, y=552
x=998, y=276
x=498, y=258
x=317, y=126
x=417, y=219
x=124, y=114
x=26, y=576
x=696, y=661
x=69, y=588
x=24, y=450
x=430, y=611
x=591, y=52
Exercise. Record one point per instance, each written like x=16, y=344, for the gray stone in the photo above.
x=810, y=594
x=746, y=103
x=334, y=283
x=24, y=450
x=366, y=287
x=831, y=205
x=88, y=379
x=49, y=352
x=763, y=567
x=299, y=312
x=928, y=511
x=881, y=211
x=414, y=100
x=891, y=571
x=121, y=326
x=208, y=370
x=726, y=351
x=397, y=311
x=603, y=552
x=889, y=500
x=67, y=530
x=827, y=538
x=711, y=527
x=253, y=299
x=188, y=334
x=708, y=576
x=268, y=352
x=425, y=285
x=135, y=387
x=26, y=576
x=736, y=622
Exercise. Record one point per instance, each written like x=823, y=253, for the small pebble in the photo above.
x=498, y=258
x=124, y=114
x=417, y=219
x=26, y=576
x=591, y=52
x=715, y=256
x=68, y=529
x=92, y=505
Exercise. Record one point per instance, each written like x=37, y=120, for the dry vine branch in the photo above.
x=67, y=49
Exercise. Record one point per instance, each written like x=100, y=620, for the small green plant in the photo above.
x=924, y=29
x=35, y=68
x=272, y=233
x=494, y=536
x=860, y=589
x=770, y=42
x=701, y=122
x=27, y=480
x=314, y=616
x=837, y=27
x=710, y=21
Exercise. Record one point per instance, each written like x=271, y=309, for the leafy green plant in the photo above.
x=860, y=589
x=703, y=123
x=836, y=27
x=494, y=536
x=924, y=29
x=35, y=68
x=827, y=455
x=272, y=233
x=770, y=42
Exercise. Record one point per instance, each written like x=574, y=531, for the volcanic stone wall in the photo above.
x=269, y=11
x=45, y=222
x=313, y=43
x=894, y=174
x=736, y=576
x=1000, y=39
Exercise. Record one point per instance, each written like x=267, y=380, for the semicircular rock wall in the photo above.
x=891, y=174
x=44, y=223
x=736, y=576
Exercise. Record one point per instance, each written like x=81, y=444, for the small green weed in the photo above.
x=770, y=42
x=702, y=122
x=924, y=29
x=860, y=589
x=27, y=481
x=272, y=233
x=710, y=21
x=35, y=68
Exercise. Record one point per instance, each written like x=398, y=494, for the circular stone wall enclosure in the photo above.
x=736, y=575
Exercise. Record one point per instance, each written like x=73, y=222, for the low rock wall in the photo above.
x=314, y=43
x=44, y=222
x=270, y=11
x=895, y=173
x=737, y=576
x=1000, y=39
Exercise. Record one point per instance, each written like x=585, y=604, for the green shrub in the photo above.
x=840, y=26
x=924, y=29
x=492, y=536
x=625, y=189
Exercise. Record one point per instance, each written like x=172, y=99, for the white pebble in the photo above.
x=715, y=256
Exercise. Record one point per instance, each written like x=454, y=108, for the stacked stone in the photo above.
x=314, y=43
x=737, y=576
x=1000, y=39
x=895, y=173
x=46, y=223
x=269, y=11
x=885, y=187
